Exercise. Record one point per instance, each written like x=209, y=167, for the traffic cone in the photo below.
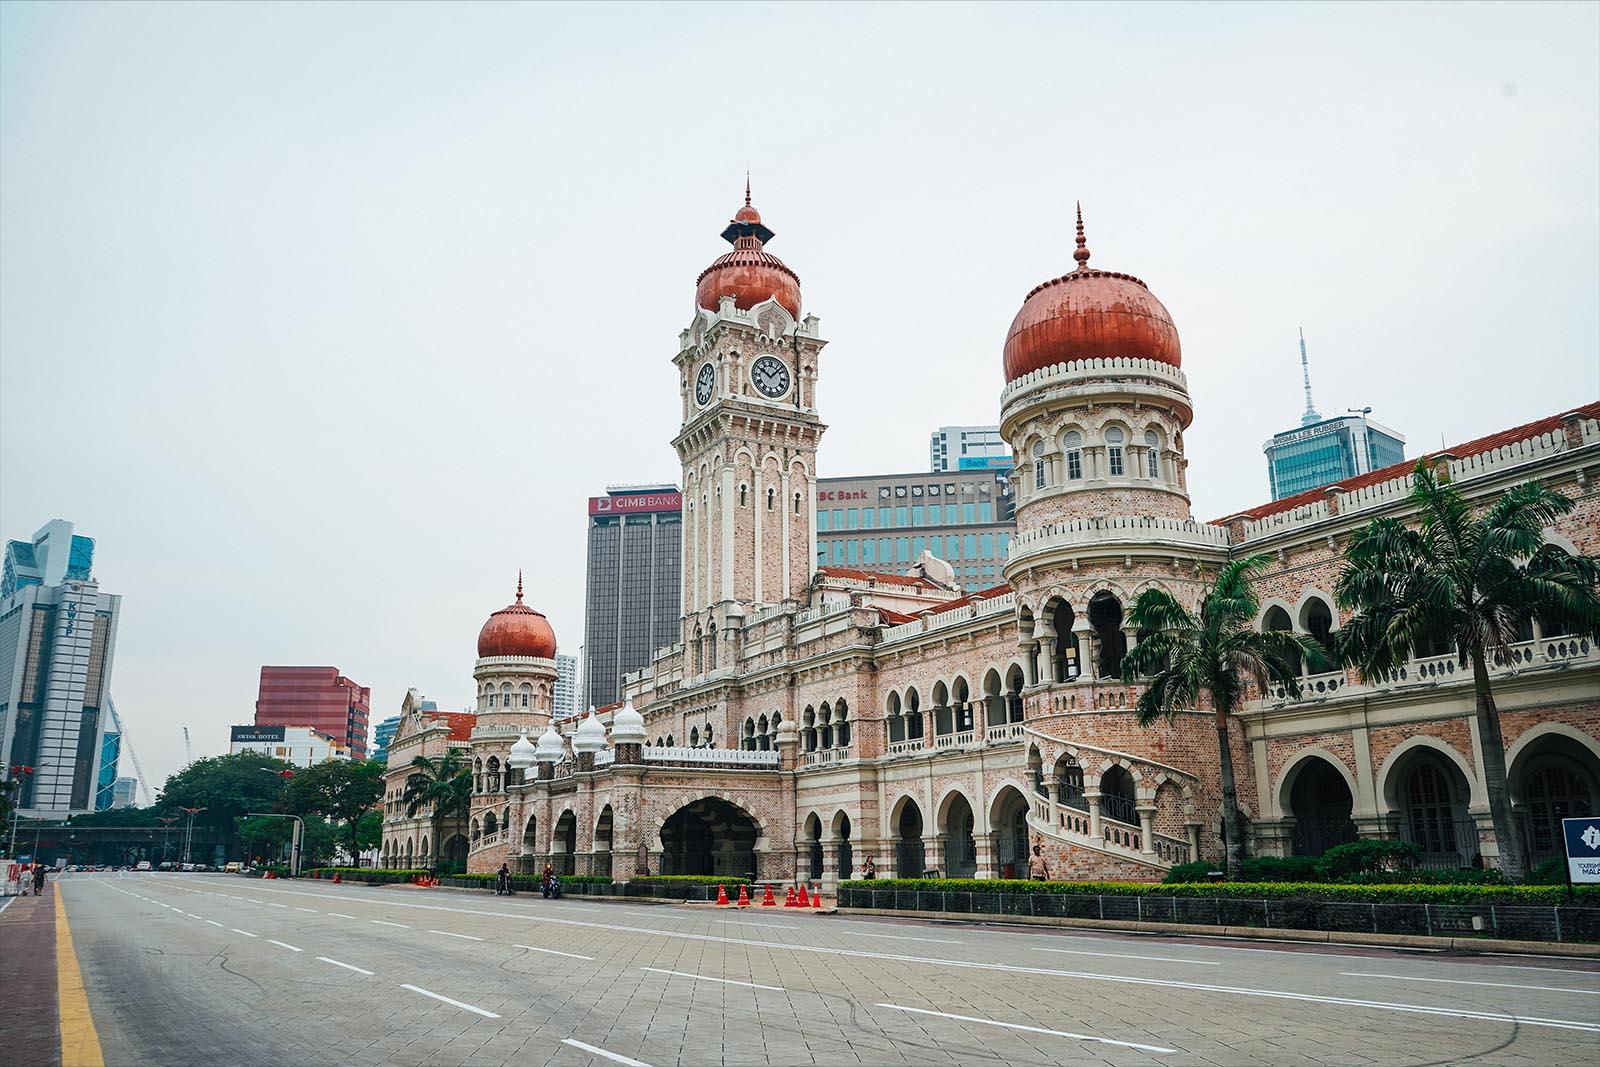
x=722, y=896
x=816, y=898
x=768, y=901
x=804, y=901
x=744, y=896
x=336, y=880
x=789, y=901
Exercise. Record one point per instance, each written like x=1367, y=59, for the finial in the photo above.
x=1082, y=253
x=519, y=585
x=747, y=188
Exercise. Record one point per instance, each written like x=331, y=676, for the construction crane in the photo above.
x=127, y=743
x=188, y=749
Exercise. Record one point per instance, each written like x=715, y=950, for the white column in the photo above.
x=756, y=503
x=783, y=537
x=726, y=506
x=811, y=521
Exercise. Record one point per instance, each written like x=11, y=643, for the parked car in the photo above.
x=142, y=865
x=233, y=867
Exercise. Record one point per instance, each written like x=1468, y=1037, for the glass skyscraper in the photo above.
x=634, y=594
x=1328, y=451
x=884, y=522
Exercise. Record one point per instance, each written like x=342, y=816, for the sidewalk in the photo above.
x=30, y=1030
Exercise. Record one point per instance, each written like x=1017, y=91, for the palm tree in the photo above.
x=1212, y=656
x=443, y=785
x=1472, y=580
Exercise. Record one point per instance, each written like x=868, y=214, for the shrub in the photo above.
x=1198, y=871
x=1364, y=894
x=1552, y=871
x=1366, y=856
x=1280, y=869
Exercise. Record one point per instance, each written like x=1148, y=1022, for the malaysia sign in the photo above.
x=1582, y=838
x=628, y=505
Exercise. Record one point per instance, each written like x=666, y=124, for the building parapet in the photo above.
x=1118, y=530
x=1003, y=604
x=714, y=757
x=1098, y=369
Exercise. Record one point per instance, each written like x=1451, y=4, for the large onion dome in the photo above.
x=1089, y=314
x=749, y=273
x=517, y=630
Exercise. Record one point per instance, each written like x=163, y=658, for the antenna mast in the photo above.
x=1310, y=415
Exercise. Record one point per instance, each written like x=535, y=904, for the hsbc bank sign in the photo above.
x=842, y=494
x=628, y=505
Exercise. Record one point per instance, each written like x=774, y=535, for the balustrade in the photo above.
x=900, y=748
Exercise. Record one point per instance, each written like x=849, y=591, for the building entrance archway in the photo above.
x=709, y=837
x=1320, y=801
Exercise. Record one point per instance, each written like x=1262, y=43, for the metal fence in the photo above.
x=1512, y=922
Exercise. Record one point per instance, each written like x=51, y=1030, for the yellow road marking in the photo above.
x=80, y=1044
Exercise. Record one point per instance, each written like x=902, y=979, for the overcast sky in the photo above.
x=323, y=320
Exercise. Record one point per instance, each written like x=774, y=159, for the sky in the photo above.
x=325, y=319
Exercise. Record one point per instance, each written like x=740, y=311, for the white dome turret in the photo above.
x=591, y=736
x=551, y=749
x=627, y=725
x=523, y=754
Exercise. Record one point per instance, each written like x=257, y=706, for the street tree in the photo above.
x=227, y=787
x=1212, y=657
x=1476, y=583
x=441, y=786
x=342, y=790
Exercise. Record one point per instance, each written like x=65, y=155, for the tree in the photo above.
x=1475, y=582
x=267, y=838
x=227, y=787
x=1212, y=656
x=369, y=833
x=343, y=790
x=441, y=785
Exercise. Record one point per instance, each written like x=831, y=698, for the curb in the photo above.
x=1448, y=944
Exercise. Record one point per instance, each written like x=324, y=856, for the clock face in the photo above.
x=704, y=383
x=769, y=375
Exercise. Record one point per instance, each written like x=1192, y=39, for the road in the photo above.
x=208, y=970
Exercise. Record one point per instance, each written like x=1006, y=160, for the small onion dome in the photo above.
x=627, y=725
x=551, y=749
x=1089, y=314
x=591, y=736
x=749, y=273
x=522, y=754
x=517, y=630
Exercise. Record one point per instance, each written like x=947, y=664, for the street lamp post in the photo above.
x=297, y=832
x=166, y=834
x=188, y=832
x=16, y=771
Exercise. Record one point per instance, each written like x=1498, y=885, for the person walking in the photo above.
x=870, y=871
x=39, y=873
x=1038, y=869
x=548, y=881
x=503, y=888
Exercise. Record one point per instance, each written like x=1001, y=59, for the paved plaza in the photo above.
x=205, y=970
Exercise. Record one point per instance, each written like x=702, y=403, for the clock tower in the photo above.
x=747, y=372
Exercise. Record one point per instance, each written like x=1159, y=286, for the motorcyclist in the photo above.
x=39, y=872
x=503, y=887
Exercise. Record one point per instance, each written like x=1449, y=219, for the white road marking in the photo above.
x=213, y=922
x=447, y=1000
x=553, y=952
x=904, y=937
x=708, y=978
x=270, y=904
x=380, y=922
x=447, y=933
x=246, y=933
x=346, y=966
x=283, y=944
x=253, y=900
x=612, y=1056
x=1127, y=956
x=1029, y=1029
x=1458, y=981
x=763, y=926
x=340, y=915
x=780, y=946
x=9, y=901
x=311, y=910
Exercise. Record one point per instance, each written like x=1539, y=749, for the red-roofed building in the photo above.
x=321, y=698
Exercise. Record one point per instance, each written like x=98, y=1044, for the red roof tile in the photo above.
x=895, y=618
x=460, y=723
x=874, y=576
x=962, y=601
x=1475, y=447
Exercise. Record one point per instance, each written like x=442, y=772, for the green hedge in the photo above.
x=1337, y=891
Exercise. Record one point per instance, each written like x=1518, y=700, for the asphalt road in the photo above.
x=212, y=970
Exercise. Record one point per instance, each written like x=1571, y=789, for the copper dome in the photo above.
x=1089, y=314
x=749, y=273
x=517, y=630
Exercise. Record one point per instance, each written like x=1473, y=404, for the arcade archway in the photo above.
x=709, y=837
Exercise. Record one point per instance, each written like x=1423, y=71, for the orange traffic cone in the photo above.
x=768, y=901
x=789, y=900
x=336, y=879
x=816, y=898
x=804, y=901
x=744, y=896
x=722, y=896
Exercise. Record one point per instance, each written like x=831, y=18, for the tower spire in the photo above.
x=747, y=188
x=519, y=585
x=1082, y=252
x=1310, y=415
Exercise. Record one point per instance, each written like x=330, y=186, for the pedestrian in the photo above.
x=503, y=889
x=39, y=872
x=1038, y=869
x=870, y=871
x=548, y=880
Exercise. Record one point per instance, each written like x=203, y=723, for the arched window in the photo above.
x=491, y=697
x=1039, y=476
x=1152, y=454
x=772, y=496
x=744, y=492
x=1429, y=809
x=841, y=724
x=527, y=694
x=808, y=729
x=797, y=503
x=670, y=742
x=1114, y=440
x=694, y=737
x=1072, y=444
